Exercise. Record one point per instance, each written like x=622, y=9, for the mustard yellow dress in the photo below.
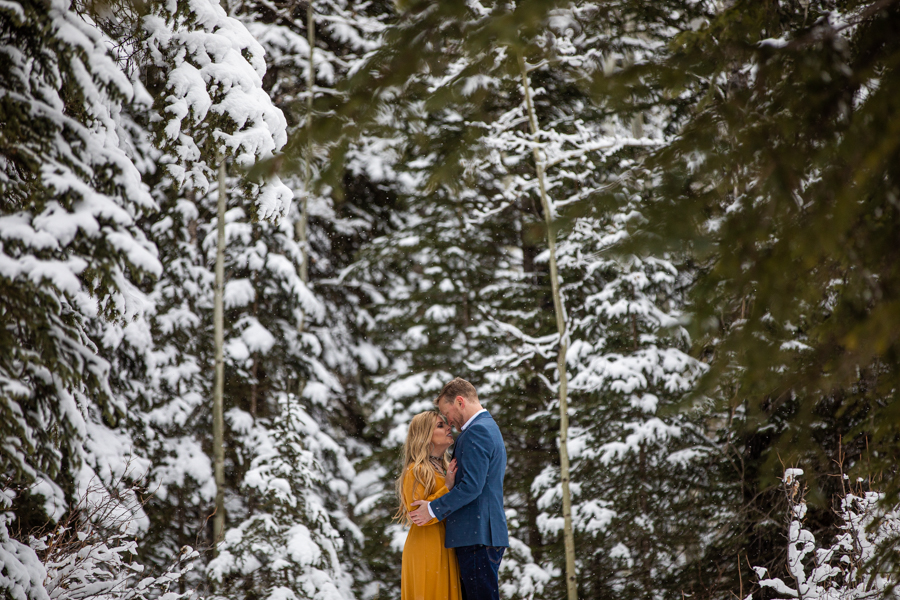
x=430, y=571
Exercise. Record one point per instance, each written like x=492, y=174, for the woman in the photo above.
x=430, y=571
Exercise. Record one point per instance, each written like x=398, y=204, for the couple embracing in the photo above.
x=454, y=504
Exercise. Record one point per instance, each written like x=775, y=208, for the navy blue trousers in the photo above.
x=478, y=570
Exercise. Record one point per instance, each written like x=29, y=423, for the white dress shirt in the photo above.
x=472, y=418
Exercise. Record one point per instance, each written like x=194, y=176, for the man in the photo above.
x=473, y=509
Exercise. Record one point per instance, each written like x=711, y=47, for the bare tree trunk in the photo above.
x=302, y=223
x=549, y=214
x=254, y=387
x=304, y=202
x=218, y=392
x=254, y=370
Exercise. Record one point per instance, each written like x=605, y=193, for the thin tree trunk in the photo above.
x=568, y=536
x=218, y=393
x=302, y=223
x=254, y=387
x=304, y=202
x=254, y=370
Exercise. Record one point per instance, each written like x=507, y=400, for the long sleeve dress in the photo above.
x=430, y=571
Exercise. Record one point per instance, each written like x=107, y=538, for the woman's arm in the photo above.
x=413, y=490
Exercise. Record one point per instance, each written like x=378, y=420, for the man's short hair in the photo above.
x=457, y=387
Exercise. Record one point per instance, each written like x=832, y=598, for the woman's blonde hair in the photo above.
x=417, y=457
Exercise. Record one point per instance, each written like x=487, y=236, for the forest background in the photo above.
x=660, y=237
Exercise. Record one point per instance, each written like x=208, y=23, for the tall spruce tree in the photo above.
x=210, y=108
x=288, y=547
x=338, y=217
x=76, y=346
x=640, y=461
x=71, y=248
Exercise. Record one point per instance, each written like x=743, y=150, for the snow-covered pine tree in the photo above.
x=72, y=251
x=210, y=107
x=336, y=356
x=338, y=214
x=214, y=109
x=76, y=346
x=173, y=429
x=288, y=546
x=280, y=337
x=640, y=456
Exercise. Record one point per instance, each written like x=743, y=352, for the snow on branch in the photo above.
x=847, y=568
x=215, y=105
x=90, y=553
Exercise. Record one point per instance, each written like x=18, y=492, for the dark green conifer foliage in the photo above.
x=68, y=239
x=174, y=423
x=783, y=186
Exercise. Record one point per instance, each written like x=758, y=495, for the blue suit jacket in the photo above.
x=474, y=507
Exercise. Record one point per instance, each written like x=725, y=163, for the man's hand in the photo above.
x=420, y=515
